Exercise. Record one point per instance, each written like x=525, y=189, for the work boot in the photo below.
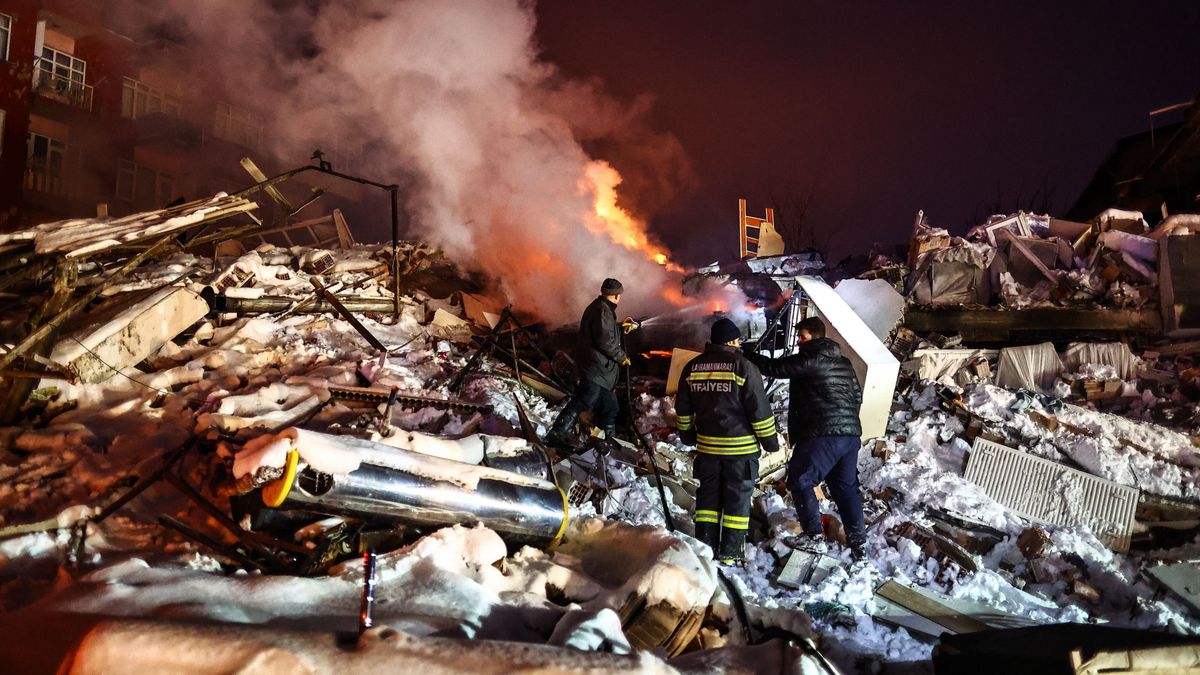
x=560, y=432
x=732, y=550
x=858, y=548
x=809, y=543
x=709, y=534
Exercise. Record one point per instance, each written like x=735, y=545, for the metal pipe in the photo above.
x=272, y=305
x=402, y=486
x=346, y=314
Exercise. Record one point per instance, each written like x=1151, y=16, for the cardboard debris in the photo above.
x=483, y=310
x=97, y=353
x=449, y=327
x=1053, y=494
x=679, y=359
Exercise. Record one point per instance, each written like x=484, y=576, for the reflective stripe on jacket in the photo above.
x=722, y=406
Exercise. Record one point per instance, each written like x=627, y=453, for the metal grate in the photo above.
x=1049, y=493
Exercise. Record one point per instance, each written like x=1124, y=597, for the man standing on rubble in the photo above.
x=825, y=430
x=598, y=357
x=723, y=410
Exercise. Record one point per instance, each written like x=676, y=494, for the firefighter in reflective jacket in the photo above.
x=723, y=410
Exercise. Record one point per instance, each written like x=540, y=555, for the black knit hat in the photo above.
x=611, y=287
x=724, y=331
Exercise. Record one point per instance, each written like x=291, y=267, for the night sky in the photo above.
x=879, y=109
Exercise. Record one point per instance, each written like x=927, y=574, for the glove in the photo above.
x=626, y=362
x=629, y=325
x=769, y=443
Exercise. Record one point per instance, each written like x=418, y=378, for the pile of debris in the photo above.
x=243, y=428
x=279, y=441
x=1025, y=261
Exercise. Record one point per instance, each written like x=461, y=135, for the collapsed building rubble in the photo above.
x=229, y=460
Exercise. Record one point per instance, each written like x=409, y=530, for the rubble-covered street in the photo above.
x=135, y=485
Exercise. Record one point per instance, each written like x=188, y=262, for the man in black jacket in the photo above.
x=825, y=431
x=598, y=357
x=723, y=410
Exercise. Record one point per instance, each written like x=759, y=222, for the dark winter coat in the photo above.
x=598, y=352
x=722, y=407
x=825, y=394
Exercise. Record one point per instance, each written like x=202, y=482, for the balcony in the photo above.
x=47, y=181
x=59, y=88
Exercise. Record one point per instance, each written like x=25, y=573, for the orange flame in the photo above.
x=602, y=180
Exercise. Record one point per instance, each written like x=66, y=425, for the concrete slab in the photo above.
x=97, y=352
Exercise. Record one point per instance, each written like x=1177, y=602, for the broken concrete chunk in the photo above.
x=806, y=569
x=1049, y=493
x=97, y=353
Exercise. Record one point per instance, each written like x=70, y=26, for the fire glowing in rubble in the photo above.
x=602, y=180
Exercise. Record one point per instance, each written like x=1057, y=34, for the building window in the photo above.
x=63, y=66
x=144, y=187
x=44, y=161
x=238, y=126
x=5, y=35
x=64, y=77
x=138, y=100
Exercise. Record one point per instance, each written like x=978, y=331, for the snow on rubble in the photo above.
x=238, y=391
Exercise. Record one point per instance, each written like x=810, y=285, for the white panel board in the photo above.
x=875, y=366
x=1049, y=493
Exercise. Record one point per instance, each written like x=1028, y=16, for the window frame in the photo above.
x=6, y=22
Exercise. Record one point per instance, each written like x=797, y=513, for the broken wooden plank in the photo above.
x=929, y=606
x=272, y=192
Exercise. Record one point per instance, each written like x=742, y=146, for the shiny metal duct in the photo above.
x=402, y=486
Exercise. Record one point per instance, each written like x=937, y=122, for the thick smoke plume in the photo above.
x=452, y=100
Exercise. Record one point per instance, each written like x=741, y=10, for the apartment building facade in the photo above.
x=93, y=119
